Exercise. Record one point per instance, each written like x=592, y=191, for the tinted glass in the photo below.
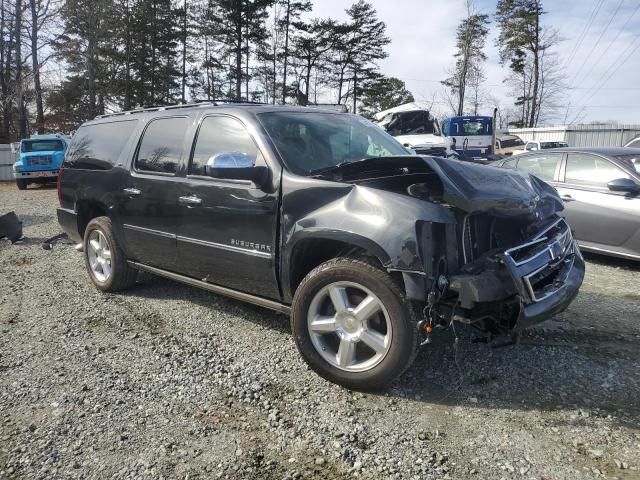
x=411, y=123
x=553, y=144
x=511, y=142
x=542, y=166
x=583, y=169
x=470, y=127
x=532, y=146
x=98, y=146
x=161, y=146
x=42, y=146
x=313, y=141
x=221, y=138
x=634, y=144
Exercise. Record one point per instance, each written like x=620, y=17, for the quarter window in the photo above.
x=99, y=146
x=589, y=170
x=542, y=166
x=218, y=136
x=161, y=146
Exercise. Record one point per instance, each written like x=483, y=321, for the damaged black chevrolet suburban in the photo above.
x=322, y=216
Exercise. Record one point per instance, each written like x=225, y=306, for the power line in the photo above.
x=585, y=30
x=500, y=85
x=597, y=61
x=603, y=80
x=595, y=46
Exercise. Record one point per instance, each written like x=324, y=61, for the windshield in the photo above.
x=42, y=146
x=309, y=142
x=413, y=122
x=511, y=142
x=469, y=127
x=553, y=144
x=633, y=160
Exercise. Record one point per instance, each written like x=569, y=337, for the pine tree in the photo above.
x=238, y=24
x=361, y=42
x=311, y=44
x=383, y=93
x=470, y=40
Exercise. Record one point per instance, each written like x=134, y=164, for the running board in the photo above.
x=228, y=292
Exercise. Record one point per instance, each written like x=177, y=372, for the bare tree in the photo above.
x=470, y=40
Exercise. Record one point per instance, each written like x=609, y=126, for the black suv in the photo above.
x=322, y=216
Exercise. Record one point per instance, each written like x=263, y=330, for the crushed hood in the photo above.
x=495, y=191
x=473, y=188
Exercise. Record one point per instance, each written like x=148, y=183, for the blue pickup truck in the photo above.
x=40, y=159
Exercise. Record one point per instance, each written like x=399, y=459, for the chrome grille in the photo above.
x=543, y=263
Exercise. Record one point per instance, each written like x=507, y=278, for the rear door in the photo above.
x=228, y=229
x=148, y=208
x=598, y=215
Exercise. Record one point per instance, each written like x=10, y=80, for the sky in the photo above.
x=605, y=55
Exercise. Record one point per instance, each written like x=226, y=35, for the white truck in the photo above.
x=413, y=125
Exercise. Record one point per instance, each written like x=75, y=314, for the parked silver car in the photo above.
x=600, y=188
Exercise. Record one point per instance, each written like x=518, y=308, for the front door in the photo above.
x=598, y=215
x=148, y=205
x=227, y=229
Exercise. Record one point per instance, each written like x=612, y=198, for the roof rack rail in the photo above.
x=196, y=103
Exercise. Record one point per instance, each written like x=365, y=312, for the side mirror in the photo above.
x=236, y=166
x=623, y=185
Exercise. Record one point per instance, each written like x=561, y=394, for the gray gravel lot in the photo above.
x=167, y=381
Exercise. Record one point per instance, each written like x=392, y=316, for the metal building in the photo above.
x=7, y=159
x=581, y=135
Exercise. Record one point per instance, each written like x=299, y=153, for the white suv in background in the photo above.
x=534, y=145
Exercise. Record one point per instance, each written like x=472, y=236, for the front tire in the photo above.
x=352, y=324
x=104, y=259
x=21, y=184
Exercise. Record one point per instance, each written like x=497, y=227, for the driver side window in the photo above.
x=224, y=138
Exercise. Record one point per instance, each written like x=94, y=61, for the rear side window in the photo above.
x=219, y=136
x=542, y=166
x=589, y=170
x=99, y=146
x=161, y=146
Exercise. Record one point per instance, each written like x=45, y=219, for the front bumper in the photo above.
x=35, y=174
x=544, y=275
x=547, y=272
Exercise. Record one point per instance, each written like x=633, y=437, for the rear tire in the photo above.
x=104, y=258
x=21, y=184
x=367, y=341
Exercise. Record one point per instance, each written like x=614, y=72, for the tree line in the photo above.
x=535, y=79
x=65, y=61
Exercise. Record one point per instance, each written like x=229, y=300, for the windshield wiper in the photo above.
x=320, y=171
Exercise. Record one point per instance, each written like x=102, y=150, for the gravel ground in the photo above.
x=168, y=381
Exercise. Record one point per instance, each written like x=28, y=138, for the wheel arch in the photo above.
x=309, y=249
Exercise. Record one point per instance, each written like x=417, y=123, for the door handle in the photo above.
x=567, y=198
x=190, y=201
x=133, y=192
